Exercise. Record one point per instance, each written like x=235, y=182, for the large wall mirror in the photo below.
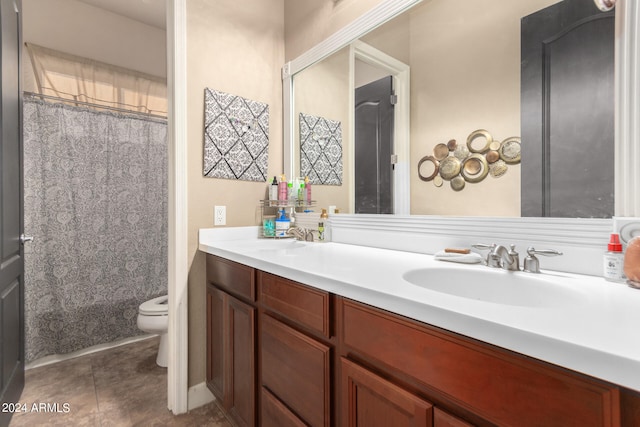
x=459, y=66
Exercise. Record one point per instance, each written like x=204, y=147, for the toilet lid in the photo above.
x=155, y=307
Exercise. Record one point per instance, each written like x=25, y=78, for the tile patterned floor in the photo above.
x=122, y=386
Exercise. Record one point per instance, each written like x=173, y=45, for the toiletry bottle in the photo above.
x=614, y=260
x=273, y=189
x=301, y=193
x=291, y=195
x=307, y=187
x=282, y=224
x=321, y=225
x=282, y=188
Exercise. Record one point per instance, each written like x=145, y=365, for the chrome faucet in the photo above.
x=488, y=260
x=507, y=259
x=302, y=234
x=531, y=262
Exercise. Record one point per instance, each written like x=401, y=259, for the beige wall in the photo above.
x=323, y=90
x=308, y=22
x=235, y=47
x=80, y=29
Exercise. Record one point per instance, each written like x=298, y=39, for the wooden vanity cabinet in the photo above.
x=488, y=384
x=283, y=354
x=295, y=353
x=231, y=338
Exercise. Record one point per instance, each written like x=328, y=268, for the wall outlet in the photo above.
x=220, y=215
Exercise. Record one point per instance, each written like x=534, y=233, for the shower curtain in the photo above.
x=95, y=201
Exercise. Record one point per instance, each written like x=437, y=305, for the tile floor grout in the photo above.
x=121, y=386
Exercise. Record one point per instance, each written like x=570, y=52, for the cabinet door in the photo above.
x=371, y=401
x=231, y=354
x=241, y=396
x=296, y=369
x=274, y=413
x=443, y=419
x=215, y=342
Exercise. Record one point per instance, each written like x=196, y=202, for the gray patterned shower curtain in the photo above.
x=96, y=202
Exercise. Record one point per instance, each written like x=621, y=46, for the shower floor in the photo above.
x=122, y=386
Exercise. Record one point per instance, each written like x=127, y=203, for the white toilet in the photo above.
x=153, y=317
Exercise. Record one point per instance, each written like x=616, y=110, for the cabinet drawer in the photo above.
x=274, y=413
x=235, y=278
x=303, y=305
x=296, y=369
x=500, y=386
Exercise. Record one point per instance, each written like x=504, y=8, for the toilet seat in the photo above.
x=155, y=307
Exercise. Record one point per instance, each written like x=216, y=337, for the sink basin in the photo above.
x=496, y=286
x=278, y=244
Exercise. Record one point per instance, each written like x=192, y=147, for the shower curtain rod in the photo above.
x=90, y=104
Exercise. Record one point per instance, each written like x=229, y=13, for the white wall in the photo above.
x=80, y=29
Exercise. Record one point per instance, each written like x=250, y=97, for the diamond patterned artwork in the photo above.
x=236, y=137
x=320, y=150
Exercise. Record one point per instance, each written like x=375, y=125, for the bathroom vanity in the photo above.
x=332, y=334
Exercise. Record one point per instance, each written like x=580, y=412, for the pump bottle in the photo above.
x=614, y=260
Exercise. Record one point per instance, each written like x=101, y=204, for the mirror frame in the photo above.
x=627, y=88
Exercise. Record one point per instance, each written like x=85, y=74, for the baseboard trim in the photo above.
x=55, y=358
x=199, y=395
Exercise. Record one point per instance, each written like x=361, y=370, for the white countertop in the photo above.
x=598, y=335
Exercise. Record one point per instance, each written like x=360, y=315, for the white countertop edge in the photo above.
x=606, y=366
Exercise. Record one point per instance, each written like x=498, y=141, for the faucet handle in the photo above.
x=515, y=264
x=531, y=262
x=483, y=246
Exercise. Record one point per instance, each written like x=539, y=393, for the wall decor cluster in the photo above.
x=321, y=149
x=472, y=162
x=236, y=137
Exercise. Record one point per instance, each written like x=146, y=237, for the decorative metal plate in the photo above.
x=480, y=133
x=481, y=174
x=492, y=156
x=457, y=183
x=510, y=150
x=461, y=152
x=498, y=168
x=449, y=167
x=440, y=151
x=436, y=167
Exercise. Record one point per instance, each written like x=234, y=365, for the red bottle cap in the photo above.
x=614, y=243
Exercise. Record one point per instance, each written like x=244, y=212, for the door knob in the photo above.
x=24, y=239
